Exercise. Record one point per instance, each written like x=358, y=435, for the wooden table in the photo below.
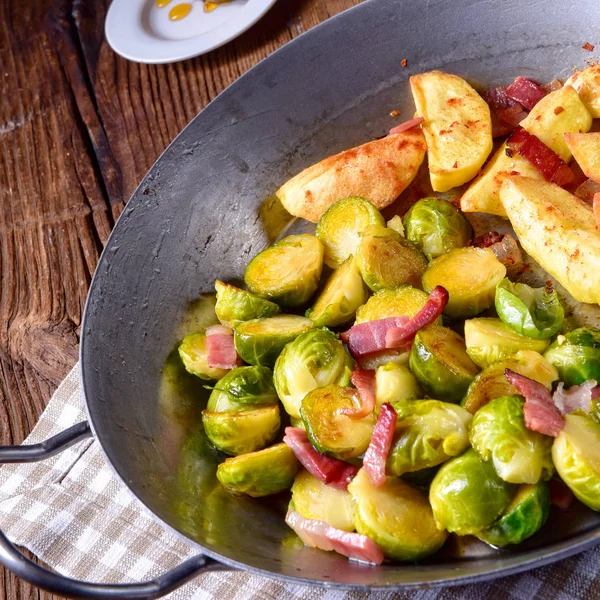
x=79, y=128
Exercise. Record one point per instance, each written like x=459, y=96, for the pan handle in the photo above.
x=12, y=558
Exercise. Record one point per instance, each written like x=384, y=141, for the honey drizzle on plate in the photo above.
x=180, y=11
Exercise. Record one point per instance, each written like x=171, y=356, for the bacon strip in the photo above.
x=220, y=349
x=487, y=239
x=364, y=381
x=331, y=471
x=596, y=209
x=381, y=442
x=539, y=412
x=497, y=98
x=576, y=397
x=526, y=92
x=368, y=337
x=398, y=337
x=406, y=125
x=318, y=534
x=552, y=167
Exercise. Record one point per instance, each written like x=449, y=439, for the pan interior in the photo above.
x=205, y=209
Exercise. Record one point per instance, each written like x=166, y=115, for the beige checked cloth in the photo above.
x=76, y=515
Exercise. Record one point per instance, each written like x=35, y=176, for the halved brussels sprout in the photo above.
x=260, y=473
x=234, y=305
x=490, y=340
x=428, y=433
x=260, y=341
x=576, y=355
x=491, y=382
x=467, y=495
x=192, y=351
x=534, y=312
x=314, y=499
x=518, y=454
x=340, y=227
x=525, y=515
x=576, y=455
x=396, y=224
x=470, y=275
x=343, y=293
x=377, y=359
x=313, y=360
x=287, y=272
x=242, y=432
x=243, y=388
x=395, y=382
x=396, y=516
x=440, y=362
x=387, y=260
x=331, y=432
x=404, y=301
x=437, y=226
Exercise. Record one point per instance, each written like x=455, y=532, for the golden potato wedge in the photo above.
x=559, y=112
x=585, y=148
x=587, y=84
x=558, y=231
x=378, y=170
x=457, y=126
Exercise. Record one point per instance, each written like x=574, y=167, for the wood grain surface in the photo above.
x=79, y=128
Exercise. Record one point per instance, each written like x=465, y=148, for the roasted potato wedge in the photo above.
x=585, y=148
x=559, y=112
x=558, y=231
x=378, y=170
x=457, y=126
x=587, y=84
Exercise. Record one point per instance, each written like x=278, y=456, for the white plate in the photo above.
x=141, y=31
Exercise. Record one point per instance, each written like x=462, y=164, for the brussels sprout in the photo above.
x=242, y=432
x=396, y=224
x=377, y=359
x=576, y=355
x=491, y=382
x=234, y=305
x=467, y=495
x=403, y=301
x=314, y=499
x=396, y=516
x=439, y=360
x=498, y=433
x=331, y=432
x=340, y=227
x=343, y=293
x=395, y=382
x=260, y=341
x=428, y=433
x=260, y=473
x=192, y=351
x=387, y=260
x=470, y=275
x=525, y=515
x=243, y=388
x=490, y=340
x=287, y=272
x=576, y=455
x=534, y=312
x=314, y=359
x=436, y=226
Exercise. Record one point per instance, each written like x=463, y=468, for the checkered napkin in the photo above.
x=76, y=515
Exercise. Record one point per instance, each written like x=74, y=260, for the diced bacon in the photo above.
x=549, y=164
x=368, y=337
x=398, y=337
x=331, y=471
x=596, y=393
x=587, y=190
x=539, y=412
x=555, y=84
x=487, y=239
x=220, y=349
x=561, y=495
x=345, y=336
x=318, y=534
x=507, y=251
x=576, y=397
x=596, y=209
x=379, y=447
x=364, y=381
x=526, y=92
x=499, y=128
x=407, y=125
x=511, y=116
x=497, y=98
